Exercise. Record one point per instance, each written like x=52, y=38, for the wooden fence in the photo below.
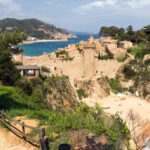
x=43, y=141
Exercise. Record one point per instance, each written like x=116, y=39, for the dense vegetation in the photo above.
x=81, y=93
x=8, y=71
x=44, y=69
x=140, y=50
x=115, y=85
x=138, y=36
x=32, y=27
x=139, y=72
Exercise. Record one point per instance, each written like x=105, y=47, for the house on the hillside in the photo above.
x=17, y=54
x=125, y=44
x=29, y=71
x=9, y=28
x=30, y=38
x=99, y=48
x=109, y=42
x=116, y=53
x=75, y=54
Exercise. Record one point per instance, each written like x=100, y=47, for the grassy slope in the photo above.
x=16, y=103
x=139, y=51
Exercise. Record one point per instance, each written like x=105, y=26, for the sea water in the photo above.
x=36, y=49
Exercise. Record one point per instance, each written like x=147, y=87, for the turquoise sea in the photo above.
x=37, y=49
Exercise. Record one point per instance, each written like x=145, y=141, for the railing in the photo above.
x=43, y=141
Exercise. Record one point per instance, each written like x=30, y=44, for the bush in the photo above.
x=25, y=85
x=129, y=73
x=64, y=52
x=68, y=58
x=45, y=69
x=115, y=85
x=81, y=93
x=105, y=57
x=139, y=51
x=17, y=63
x=121, y=59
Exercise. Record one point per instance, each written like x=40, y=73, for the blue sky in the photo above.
x=80, y=15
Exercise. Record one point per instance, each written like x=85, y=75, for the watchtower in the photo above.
x=89, y=60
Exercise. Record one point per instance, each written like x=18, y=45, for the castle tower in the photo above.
x=90, y=40
x=89, y=60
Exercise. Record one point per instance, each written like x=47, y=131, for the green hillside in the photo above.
x=32, y=27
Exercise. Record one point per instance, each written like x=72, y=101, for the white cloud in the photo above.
x=97, y=4
x=138, y=3
x=113, y=4
x=10, y=6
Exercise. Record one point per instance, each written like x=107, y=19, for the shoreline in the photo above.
x=41, y=41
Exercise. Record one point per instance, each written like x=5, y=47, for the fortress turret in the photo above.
x=89, y=60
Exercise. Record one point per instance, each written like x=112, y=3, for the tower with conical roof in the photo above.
x=89, y=58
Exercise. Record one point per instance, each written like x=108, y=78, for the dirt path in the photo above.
x=9, y=141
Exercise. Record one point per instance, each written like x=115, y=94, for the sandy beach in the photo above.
x=115, y=105
x=40, y=41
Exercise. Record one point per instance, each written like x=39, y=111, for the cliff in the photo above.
x=98, y=88
x=135, y=77
x=60, y=93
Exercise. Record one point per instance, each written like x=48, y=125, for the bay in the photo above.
x=36, y=49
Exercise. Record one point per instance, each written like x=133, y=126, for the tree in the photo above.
x=25, y=85
x=12, y=38
x=130, y=30
x=120, y=34
x=111, y=31
x=8, y=72
x=146, y=30
x=138, y=128
x=139, y=36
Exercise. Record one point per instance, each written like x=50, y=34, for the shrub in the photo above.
x=105, y=57
x=81, y=93
x=45, y=69
x=25, y=85
x=79, y=47
x=115, y=85
x=17, y=63
x=128, y=71
x=139, y=51
x=64, y=52
x=68, y=58
x=121, y=59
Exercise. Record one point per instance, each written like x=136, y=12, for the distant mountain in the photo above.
x=32, y=27
x=82, y=33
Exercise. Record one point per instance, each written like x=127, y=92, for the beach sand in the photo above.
x=115, y=105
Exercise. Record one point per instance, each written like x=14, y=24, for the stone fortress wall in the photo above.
x=84, y=67
x=80, y=69
x=85, y=63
